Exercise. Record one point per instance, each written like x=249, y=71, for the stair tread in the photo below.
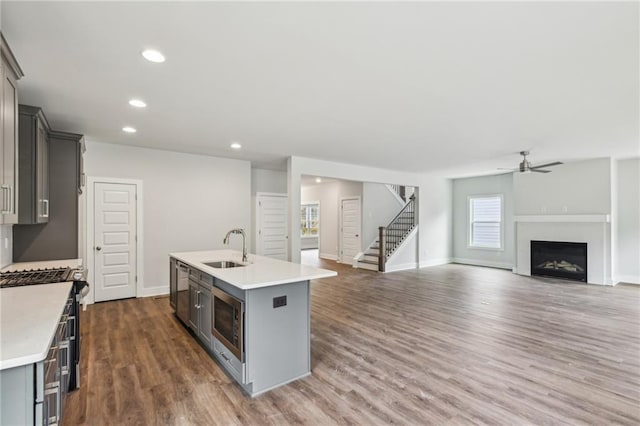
x=370, y=262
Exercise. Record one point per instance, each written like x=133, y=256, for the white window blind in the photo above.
x=485, y=221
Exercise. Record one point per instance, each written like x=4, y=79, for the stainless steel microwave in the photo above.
x=227, y=321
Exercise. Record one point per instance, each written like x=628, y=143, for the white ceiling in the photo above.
x=306, y=180
x=456, y=87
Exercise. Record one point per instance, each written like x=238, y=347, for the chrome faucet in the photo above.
x=244, y=241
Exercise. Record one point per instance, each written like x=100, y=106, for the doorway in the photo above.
x=350, y=229
x=271, y=225
x=114, y=243
x=310, y=232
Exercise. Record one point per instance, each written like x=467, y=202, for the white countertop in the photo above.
x=29, y=317
x=64, y=263
x=260, y=271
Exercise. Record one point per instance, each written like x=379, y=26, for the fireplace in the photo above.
x=559, y=260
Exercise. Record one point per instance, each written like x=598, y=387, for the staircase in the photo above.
x=390, y=237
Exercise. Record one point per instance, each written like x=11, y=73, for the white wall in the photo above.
x=581, y=187
x=6, y=245
x=329, y=195
x=628, y=221
x=190, y=201
x=406, y=256
x=435, y=220
x=379, y=207
x=263, y=180
x=434, y=202
x=482, y=185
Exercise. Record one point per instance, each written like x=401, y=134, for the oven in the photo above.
x=227, y=321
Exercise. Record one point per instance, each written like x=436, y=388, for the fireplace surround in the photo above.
x=558, y=259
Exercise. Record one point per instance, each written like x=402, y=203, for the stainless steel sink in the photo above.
x=223, y=264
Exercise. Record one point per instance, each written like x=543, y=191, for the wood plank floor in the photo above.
x=451, y=344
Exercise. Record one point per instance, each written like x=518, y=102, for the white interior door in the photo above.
x=271, y=229
x=350, y=229
x=114, y=241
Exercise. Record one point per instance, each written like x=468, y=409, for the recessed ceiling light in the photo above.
x=137, y=103
x=153, y=56
x=318, y=180
x=128, y=129
x=236, y=145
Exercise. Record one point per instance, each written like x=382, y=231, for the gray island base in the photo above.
x=254, y=319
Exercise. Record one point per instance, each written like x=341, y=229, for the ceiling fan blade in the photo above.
x=536, y=170
x=556, y=163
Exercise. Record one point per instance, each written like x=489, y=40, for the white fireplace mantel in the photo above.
x=595, y=230
x=575, y=218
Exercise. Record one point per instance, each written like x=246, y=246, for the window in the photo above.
x=485, y=221
x=309, y=220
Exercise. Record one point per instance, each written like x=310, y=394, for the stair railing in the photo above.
x=392, y=235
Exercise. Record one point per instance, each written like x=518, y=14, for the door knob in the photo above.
x=98, y=248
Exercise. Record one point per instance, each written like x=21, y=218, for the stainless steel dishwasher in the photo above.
x=182, y=305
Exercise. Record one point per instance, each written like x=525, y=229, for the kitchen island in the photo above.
x=253, y=317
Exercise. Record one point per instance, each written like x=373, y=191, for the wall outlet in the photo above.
x=279, y=301
x=6, y=242
x=543, y=209
x=565, y=209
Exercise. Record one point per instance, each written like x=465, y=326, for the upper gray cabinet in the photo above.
x=33, y=197
x=10, y=73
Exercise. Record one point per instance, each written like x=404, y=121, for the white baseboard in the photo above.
x=628, y=279
x=435, y=262
x=400, y=267
x=328, y=256
x=487, y=263
x=154, y=291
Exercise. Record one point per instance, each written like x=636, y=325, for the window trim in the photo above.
x=470, y=223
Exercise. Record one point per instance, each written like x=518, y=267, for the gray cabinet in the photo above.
x=10, y=73
x=194, y=307
x=59, y=237
x=204, y=316
x=200, y=305
x=33, y=197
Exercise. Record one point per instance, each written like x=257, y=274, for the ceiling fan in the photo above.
x=526, y=167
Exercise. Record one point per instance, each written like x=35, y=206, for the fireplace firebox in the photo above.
x=558, y=259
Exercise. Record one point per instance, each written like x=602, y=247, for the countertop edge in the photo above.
x=212, y=271
x=22, y=361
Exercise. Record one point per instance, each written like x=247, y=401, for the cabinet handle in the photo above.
x=6, y=200
x=224, y=356
x=45, y=208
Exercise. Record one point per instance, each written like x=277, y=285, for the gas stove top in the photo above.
x=38, y=276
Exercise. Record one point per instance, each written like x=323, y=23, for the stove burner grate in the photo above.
x=36, y=276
